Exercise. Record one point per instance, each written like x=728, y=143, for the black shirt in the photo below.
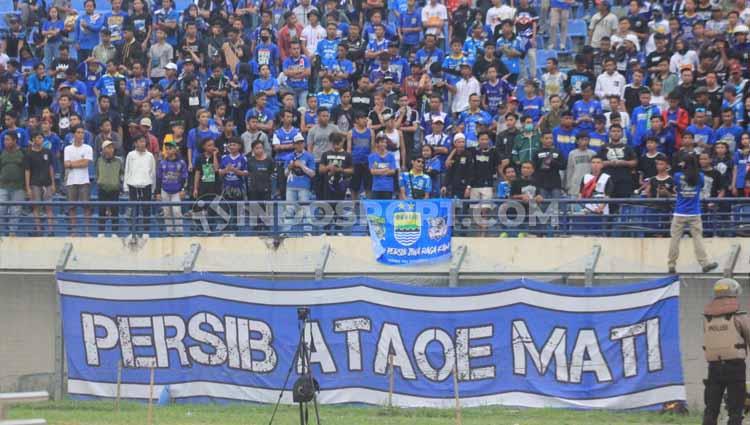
x=336, y=182
x=548, y=163
x=459, y=173
x=38, y=162
x=59, y=66
x=622, y=176
x=484, y=166
x=361, y=102
x=259, y=177
x=209, y=178
x=523, y=186
x=714, y=183
x=647, y=166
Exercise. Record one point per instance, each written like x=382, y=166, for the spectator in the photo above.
x=559, y=16
x=109, y=173
x=549, y=164
x=40, y=180
x=597, y=185
x=383, y=167
x=260, y=169
x=140, y=176
x=457, y=184
x=299, y=170
x=687, y=216
x=11, y=180
x=527, y=143
x=578, y=164
x=415, y=184
x=171, y=181
x=233, y=170
x=77, y=157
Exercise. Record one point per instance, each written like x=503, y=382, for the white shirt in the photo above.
x=434, y=14
x=140, y=169
x=75, y=153
x=609, y=84
x=677, y=60
x=311, y=36
x=602, y=26
x=464, y=89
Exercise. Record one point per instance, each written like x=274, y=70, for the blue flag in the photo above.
x=517, y=343
x=408, y=232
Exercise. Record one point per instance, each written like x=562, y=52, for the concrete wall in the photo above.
x=28, y=295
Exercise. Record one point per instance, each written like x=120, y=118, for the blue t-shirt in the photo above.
x=411, y=20
x=564, y=140
x=586, y=109
x=297, y=178
x=740, y=164
x=296, y=64
x=240, y=163
x=341, y=65
x=597, y=141
x=513, y=64
x=664, y=141
x=532, y=107
x=116, y=22
x=138, y=88
x=267, y=54
x=327, y=51
x=22, y=137
x=107, y=85
x=641, y=119
x=328, y=100
x=737, y=107
x=470, y=121
x=415, y=183
x=195, y=137
x=496, y=94
x=260, y=85
x=688, y=197
x=382, y=183
x=729, y=135
x=88, y=37
x=426, y=58
x=702, y=135
x=559, y=4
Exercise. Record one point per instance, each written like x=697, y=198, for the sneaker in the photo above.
x=710, y=266
x=503, y=235
x=101, y=235
x=522, y=234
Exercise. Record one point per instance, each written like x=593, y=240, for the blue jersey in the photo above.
x=22, y=137
x=741, y=162
x=107, y=84
x=361, y=145
x=582, y=109
x=411, y=20
x=138, y=88
x=512, y=63
x=167, y=16
x=496, y=94
x=415, y=183
x=52, y=143
x=261, y=85
x=688, y=197
x=532, y=107
x=664, y=141
x=239, y=162
x=341, y=65
x=564, y=140
x=328, y=100
x=90, y=77
x=327, y=51
x=377, y=162
x=729, y=135
x=426, y=58
x=738, y=107
x=597, y=140
x=116, y=22
x=640, y=118
x=195, y=137
x=282, y=137
x=267, y=54
x=88, y=33
x=453, y=64
x=473, y=48
x=470, y=121
x=297, y=178
x=702, y=135
x=296, y=64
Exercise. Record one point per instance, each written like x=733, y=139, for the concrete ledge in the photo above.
x=353, y=255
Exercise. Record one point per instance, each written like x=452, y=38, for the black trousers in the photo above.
x=724, y=376
x=108, y=211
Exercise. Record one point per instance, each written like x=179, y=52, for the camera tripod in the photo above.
x=305, y=387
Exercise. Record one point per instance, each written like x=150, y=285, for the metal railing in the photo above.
x=634, y=217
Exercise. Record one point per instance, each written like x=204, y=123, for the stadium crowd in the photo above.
x=336, y=99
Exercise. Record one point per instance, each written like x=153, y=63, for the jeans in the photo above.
x=694, y=224
x=528, y=67
x=172, y=213
x=551, y=193
x=90, y=108
x=300, y=95
x=11, y=212
x=51, y=51
x=558, y=17
x=295, y=196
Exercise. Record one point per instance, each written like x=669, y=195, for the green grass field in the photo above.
x=96, y=413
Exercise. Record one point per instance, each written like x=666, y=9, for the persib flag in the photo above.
x=515, y=343
x=406, y=232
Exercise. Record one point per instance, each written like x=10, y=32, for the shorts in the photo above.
x=481, y=194
x=41, y=193
x=79, y=192
x=361, y=176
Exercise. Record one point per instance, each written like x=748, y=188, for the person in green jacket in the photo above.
x=109, y=171
x=12, y=180
x=527, y=143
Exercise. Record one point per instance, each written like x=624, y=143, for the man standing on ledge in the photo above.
x=726, y=332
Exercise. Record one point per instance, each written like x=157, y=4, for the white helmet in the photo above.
x=741, y=28
x=727, y=288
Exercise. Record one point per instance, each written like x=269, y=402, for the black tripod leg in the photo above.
x=315, y=405
x=302, y=414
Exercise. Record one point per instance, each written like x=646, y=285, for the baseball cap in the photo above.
x=438, y=118
x=701, y=90
x=730, y=88
x=513, y=99
x=459, y=136
x=171, y=143
x=299, y=138
x=146, y=122
x=107, y=143
x=387, y=117
x=171, y=65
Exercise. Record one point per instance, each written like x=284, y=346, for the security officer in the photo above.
x=726, y=336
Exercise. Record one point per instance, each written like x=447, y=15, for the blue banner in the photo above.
x=408, y=232
x=518, y=343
